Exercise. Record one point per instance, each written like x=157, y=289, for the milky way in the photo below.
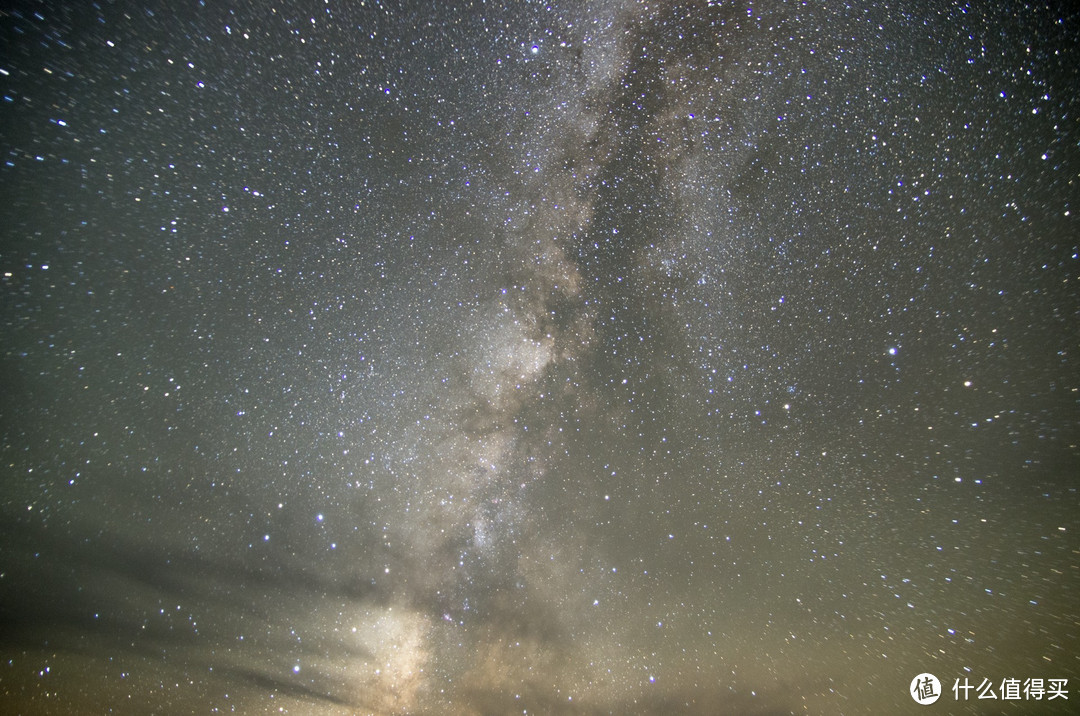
x=540, y=358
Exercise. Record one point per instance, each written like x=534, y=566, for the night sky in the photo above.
x=582, y=358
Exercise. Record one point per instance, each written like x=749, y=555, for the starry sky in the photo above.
x=525, y=357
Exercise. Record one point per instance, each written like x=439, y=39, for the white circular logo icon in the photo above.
x=925, y=689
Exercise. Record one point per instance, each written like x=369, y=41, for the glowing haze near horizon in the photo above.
x=580, y=358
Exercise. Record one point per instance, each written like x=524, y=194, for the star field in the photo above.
x=614, y=357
